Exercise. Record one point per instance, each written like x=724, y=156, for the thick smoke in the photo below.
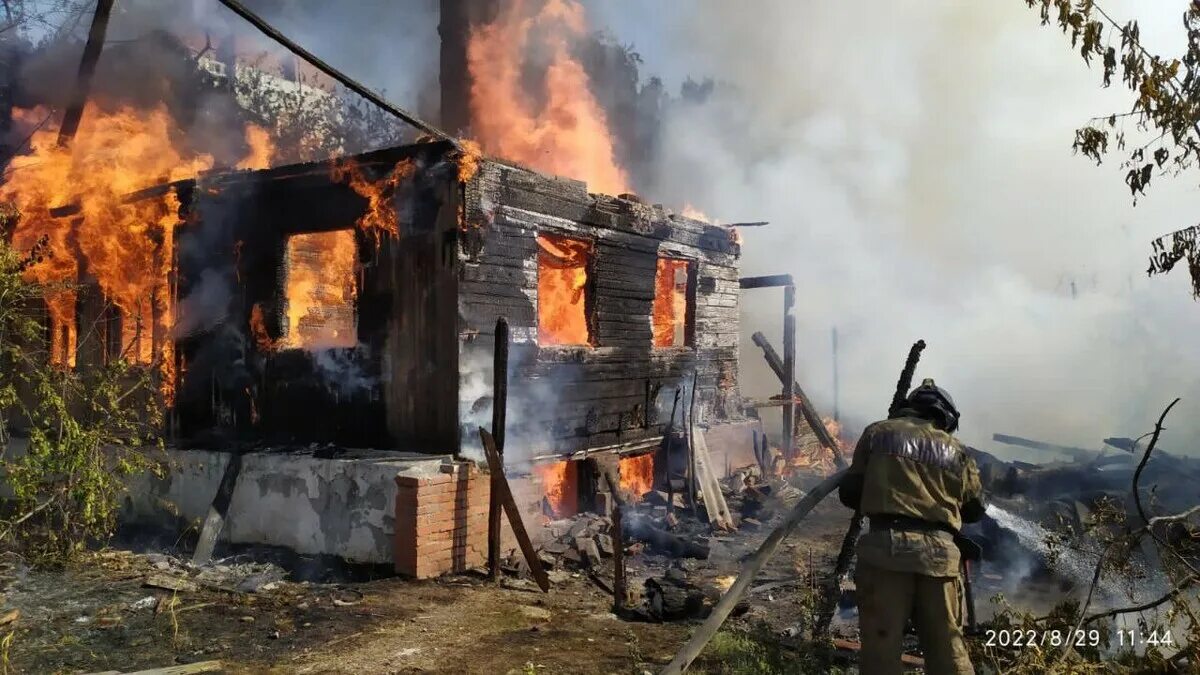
x=914, y=161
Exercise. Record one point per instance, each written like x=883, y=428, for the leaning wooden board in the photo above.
x=510, y=507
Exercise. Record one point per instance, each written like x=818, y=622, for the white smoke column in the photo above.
x=914, y=161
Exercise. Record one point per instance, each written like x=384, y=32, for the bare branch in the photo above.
x=1170, y=595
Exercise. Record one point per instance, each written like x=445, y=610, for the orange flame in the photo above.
x=468, y=160
x=669, y=318
x=258, y=330
x=262, y=149
x=126, y=245
x=562, y=281
x=637, y=474
x=320, y=290
x=559, y=484
x=380, y=217
x=564, y=131
x=694, y=213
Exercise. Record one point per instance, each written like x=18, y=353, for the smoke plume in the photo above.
x=914, y=161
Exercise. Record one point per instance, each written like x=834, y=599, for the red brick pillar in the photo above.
x=441, y=521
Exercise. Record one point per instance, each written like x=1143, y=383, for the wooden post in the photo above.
x=789, y=369
x=691, y=449
x=806, y=407
x=618, y=540
x=214, y=522
x=834, y=338
x=510, y=507
x=87, y=68
x=499, y=412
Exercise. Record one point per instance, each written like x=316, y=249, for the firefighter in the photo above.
x=916, y=484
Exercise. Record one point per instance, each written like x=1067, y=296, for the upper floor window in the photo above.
x=562, y=290
x=672, y=303
x=320, y=289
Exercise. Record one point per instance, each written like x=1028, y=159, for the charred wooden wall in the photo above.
x=619, y=389
x=384, y=391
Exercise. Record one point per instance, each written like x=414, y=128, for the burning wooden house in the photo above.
x=366, y=292
x=352, y=304
x=331, y=324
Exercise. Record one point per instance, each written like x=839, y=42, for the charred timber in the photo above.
x=772, y=281
x=1074, y=453
x=87, y=68
x=75, y=208
x=806, y=407
x=268, y=30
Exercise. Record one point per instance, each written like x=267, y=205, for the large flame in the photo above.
x=559, y=484
x=320, y=290
x=126, y=245
x=563, y=131
x=669, y=318
x=562, y=282
x=637, y=474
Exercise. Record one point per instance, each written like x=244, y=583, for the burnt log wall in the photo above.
x=567, y=398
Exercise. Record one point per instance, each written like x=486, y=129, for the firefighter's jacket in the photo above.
x=907, y=467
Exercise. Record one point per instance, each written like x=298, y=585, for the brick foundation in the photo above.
x=441, y=521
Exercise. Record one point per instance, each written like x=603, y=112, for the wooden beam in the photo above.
x=750, y=568
x=87, y=68
x=268, y=30
x=499, y=413
x=184, y=669
x=214, y=522
x=500, y=482
x=806, y=406
x=772, y=281
x=1079, y=454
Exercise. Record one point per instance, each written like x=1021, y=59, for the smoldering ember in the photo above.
x=393, y=337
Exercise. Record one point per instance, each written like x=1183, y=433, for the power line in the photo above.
x=268, y=30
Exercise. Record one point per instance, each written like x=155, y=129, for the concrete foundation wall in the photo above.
x=343, y=507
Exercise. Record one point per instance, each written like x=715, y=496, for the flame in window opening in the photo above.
x=670, y=303
x=637, y=474
x=560, y=486
x=320, y=290
x=562, y=281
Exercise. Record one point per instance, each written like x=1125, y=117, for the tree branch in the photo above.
x=1170, y=595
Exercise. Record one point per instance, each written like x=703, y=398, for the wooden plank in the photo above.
x=184, y=669
x=214, y=522
x=500, y=276
x=500, y=482
x=499, y=414
x=714, y=500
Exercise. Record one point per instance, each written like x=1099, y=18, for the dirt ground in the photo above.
x=99, y=615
